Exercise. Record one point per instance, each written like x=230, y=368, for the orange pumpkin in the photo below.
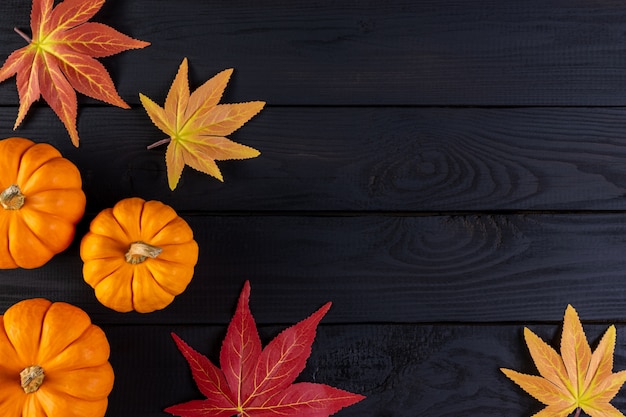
x=138, y=255
x=41, y=201
x=55, y=362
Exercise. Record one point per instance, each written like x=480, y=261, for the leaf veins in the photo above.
x=259, y=382
x=197, y=126
x=60, y=59
x=575, y=380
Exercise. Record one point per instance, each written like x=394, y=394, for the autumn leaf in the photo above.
x=576, y=379
x=197, y=125
x=60, y=58
x=257, y=382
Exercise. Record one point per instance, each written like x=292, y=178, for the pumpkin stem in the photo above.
x=140, y=251
x=12, y=198
x=31, y=378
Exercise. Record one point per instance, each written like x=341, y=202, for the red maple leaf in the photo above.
x=259, y=382
x=60, y=58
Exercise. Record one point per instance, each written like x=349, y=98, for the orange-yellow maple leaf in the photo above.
x=197, y=125
x=577, y=378
x=60, y=58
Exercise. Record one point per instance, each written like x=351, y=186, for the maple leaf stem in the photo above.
x=23, y=35
x=577, y=414
x=159, y=143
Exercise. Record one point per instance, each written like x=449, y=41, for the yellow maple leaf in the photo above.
x=197, y=125
x=575, y=380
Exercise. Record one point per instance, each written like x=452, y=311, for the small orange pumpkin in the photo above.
x=41, y=201
x=55, y=362
x=138, y=255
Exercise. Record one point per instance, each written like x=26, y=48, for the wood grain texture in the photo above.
x=433, y=52
x=403, y=370
x=445, y=172
x=484, y=268
x=362, y=159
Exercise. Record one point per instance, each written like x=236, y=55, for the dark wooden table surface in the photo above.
x=445, y=172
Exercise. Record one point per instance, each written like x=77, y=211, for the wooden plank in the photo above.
x=434, y=52
x=404, y=370
x=483, y=268
x=363, y=159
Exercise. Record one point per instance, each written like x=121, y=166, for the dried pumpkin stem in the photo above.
x=31, y=378
x=12, y=198
x=140, y=251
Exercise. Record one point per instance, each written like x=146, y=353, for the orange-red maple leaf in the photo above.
x=258, y=382
x=197, y=125
x=60, y=58
x=577, y=379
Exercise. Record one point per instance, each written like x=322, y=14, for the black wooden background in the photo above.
x=445, y=172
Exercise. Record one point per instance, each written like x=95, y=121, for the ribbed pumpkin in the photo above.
x=55, y=362
x=138, y=255
x=41, y=200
